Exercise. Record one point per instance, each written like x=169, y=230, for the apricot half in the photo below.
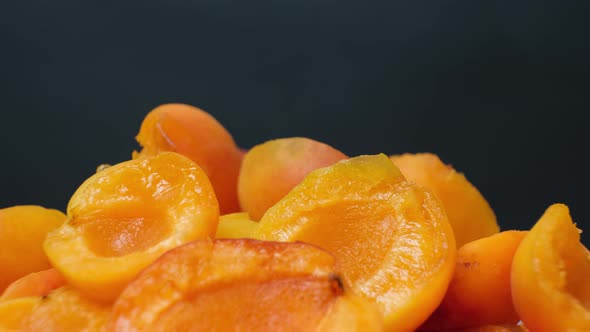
x=270, y=170
x=66, y=309
x=392, y=240
x=195, y=134
x=22, y=231
x=236, y=226
x=241, y=285
x=34, y=284
x=469, y=213
x=479, y=293
x=124, y=217
x=550, y=275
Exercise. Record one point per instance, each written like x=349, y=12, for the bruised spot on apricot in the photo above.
x=550, y=274
x=124, y=217
x=235, y=284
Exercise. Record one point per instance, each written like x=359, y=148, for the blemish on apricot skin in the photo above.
x=336, y=284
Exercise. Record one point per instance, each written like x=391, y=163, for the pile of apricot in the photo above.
x=195, y=234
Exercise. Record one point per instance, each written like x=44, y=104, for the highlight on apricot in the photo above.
x=124, y=217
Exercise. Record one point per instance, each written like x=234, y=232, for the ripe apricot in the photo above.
x=14, y=311
x=479, y=293
x=550, y=274
x=270, y=170
x=469, y=213
x=195, y=134
x=124, y=217
x=22, y=231
x=235, y=226
x=34, y=284
x=240, y=285
x=66, y=309
x=391, y=238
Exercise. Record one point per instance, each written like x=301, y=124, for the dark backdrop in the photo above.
x=497, y=88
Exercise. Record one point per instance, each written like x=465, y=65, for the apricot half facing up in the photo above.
x=241, y=285
x=550, y=274
x=469, y=213
x=195, y=134
x=124, y=217
x=22, y=231
x=391, y=238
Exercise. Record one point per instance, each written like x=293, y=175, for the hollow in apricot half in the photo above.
x=241, y=285
x=124, y=217
x=550, y=275
x=392, y=240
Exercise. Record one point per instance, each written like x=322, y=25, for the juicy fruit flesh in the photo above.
x=123, y=231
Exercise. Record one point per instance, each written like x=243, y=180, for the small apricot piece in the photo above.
x=197, y=135
x=551, y=275
x=241, y=285
x=270, y=170
x=479, y=293
x=22, y=231
x=391, y=238
x=66, y=309
x=469, y=213
x=124, y=217
x=34, y=284
x=236, y=226
x=13, y=312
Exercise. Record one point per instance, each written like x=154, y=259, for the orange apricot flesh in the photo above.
x=468, y=211
x=391, y=238
x=550, y=274
x=233, y=284
x=124, y=217
x=197, y=135
x=236, y=226
x=14, y=312
x=34, y=284
x=270, y=170
x=479, y=293
x=22, y=231
x=66, y=309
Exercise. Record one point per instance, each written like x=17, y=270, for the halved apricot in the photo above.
x=469, y=213
x=22, y=231
x=66, y=309
x=550, y=275
x=391, y=238
x=195, y=134
x=479, y=293
x=34, y=284
x=236, y=226
x=270, y=170
x=124, y=217
x=14, y=312
x=240, y=285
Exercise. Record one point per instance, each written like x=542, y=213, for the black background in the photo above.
x=499, y=89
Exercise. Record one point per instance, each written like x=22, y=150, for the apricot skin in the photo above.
x=34, y=284
x=197, y=135
x=391, y=238
x=469, y=213
x=550, y=274
x=22, y=231
x=270, y=170
x=123, y=218
x=232, y=284
x=479, y=293
x=66, y=309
